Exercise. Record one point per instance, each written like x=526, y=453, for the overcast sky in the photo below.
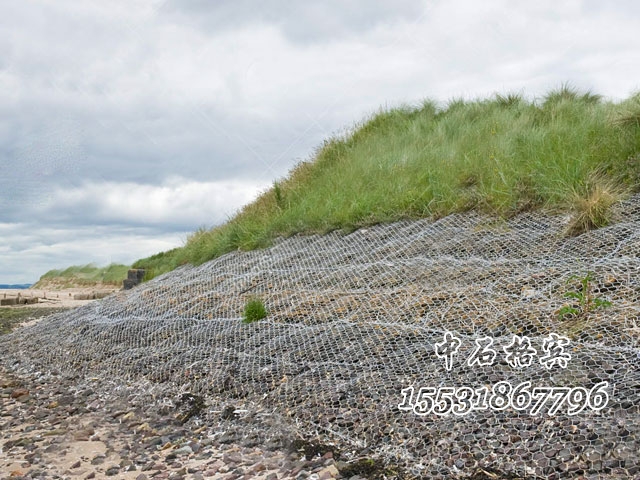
x=126, y=124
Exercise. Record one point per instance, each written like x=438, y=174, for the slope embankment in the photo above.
x=464, y=303
x=357, y=349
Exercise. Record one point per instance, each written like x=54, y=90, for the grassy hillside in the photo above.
x=83, y=275
x=569, y=151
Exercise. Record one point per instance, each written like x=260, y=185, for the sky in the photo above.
x=125, y=125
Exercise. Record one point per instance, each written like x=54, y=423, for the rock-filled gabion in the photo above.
x=457, y=347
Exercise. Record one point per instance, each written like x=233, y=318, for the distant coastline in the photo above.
x=20, y=286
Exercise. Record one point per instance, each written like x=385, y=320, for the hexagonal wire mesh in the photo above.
x=355, y=320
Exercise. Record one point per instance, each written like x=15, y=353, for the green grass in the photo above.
x=568, y=151
x=254, y=311
x=11, y=316
x=84, y=275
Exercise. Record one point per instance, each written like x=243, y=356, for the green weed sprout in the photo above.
x=254, y=310
x=586, y=302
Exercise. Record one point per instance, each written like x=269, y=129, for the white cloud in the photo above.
x=114, y=222
x=178, y=202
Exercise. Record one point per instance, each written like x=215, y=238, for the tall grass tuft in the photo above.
x=629, y=114
x=591, y=208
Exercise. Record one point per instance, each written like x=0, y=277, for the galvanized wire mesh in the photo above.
x=353, y=320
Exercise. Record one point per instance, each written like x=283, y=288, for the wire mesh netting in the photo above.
x=446, y=346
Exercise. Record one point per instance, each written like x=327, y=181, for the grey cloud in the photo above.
x=302, y=22
x=97, y=97
x=598, y=7
x=201, y=144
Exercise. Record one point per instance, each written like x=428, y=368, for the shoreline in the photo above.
x=63, y=298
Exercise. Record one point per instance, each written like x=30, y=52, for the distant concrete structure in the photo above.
x=92, y=295
x=19, y=300
x=134, y=277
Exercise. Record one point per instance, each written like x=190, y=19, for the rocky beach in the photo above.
x=50, y=428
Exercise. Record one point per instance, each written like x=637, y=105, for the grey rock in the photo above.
x=111, y=471
x=186, y=450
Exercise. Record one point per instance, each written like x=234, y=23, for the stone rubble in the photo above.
x=48, y=433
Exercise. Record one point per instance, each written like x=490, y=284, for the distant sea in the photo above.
x=21, y=286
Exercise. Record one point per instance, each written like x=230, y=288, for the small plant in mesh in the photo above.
x=584, y=300
x=254, y=310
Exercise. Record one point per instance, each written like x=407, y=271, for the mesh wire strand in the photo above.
x=353, y=319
